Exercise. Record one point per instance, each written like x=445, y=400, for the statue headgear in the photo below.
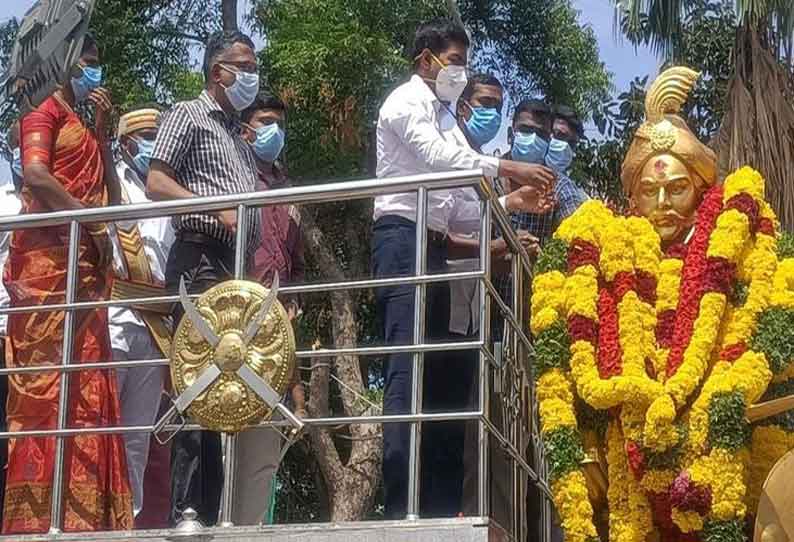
x=665, y=132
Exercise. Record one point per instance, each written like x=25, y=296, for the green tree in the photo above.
x=538, y=47
x=757, y=128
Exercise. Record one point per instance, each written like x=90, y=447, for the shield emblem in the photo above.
x=233, y=355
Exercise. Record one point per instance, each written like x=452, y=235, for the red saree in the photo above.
x=96, y=490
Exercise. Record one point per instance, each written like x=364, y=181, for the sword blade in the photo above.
x=197, y=388
x=256, y=323
x=195, y=317
x=259, y=386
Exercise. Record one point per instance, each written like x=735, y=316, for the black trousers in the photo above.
x=445, y=388
x=196, y=461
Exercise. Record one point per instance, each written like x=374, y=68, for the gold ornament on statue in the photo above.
x=233, y=355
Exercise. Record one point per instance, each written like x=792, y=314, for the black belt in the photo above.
x=434, y=238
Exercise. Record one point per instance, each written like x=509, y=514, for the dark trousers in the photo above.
x=441, y=480
x=196, y=462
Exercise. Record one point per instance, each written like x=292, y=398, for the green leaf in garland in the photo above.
x=774, y=336
x=728, y=427
x=785, y=246
x=723, y=531
x=552, y=348
x=740, y=292
x=670, y=457
x=553, y=257
x=564, y=453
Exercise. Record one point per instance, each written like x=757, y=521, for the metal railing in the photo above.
x=503, y=366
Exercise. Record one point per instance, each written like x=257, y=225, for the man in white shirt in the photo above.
x=10, y=205
x=409, y=141
x=140, y=250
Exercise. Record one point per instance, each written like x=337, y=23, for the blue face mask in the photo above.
x=560, y=155
x=88, y=81
x=243, y=91
x=16, y=163
x=483, y=125
x=529, y=148
x=144, y=156
x=269, y=142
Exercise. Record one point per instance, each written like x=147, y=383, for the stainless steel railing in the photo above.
x=505, y=363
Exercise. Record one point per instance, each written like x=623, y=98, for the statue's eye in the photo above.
x=650, y=191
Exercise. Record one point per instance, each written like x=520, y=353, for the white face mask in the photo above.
x=450, y=82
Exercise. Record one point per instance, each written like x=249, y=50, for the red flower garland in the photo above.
x=692, y=278
x=609, y=352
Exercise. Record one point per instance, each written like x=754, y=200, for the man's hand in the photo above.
x=529, y=199
x=104, y=107
x=228, y=219
x=530, y=243
x=522, y=173
x=104, y=249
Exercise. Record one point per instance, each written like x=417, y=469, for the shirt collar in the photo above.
x=210, y=103
x=424, y=91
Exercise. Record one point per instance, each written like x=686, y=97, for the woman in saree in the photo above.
x=66, y=166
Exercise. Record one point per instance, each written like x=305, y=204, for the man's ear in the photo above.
x=463, y=109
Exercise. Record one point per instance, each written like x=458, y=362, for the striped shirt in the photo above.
x=203, y=145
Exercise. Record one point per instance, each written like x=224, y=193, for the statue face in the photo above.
x=667, y=195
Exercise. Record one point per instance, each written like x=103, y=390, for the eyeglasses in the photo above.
x=237, y=67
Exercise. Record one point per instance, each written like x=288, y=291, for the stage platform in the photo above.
x=425, y=530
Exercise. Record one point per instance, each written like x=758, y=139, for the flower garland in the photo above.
x=562, y=440
x=618, y=325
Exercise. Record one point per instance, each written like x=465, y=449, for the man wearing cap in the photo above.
x=140, y=250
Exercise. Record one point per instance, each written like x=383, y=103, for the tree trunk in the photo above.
x=352, y=485
x=758, y=127
x=229, y=15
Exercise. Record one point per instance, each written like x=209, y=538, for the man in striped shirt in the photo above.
x=200, y=152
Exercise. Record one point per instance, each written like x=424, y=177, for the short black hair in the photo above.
x=437, y=35
x=568, y=114
x=533, y=106
x=264, y=100
x=479, y=79
x=221, y=41
x=89, y=40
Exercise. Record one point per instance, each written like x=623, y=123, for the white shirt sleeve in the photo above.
x=418, y=131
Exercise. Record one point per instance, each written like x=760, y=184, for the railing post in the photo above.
x=56, y=504
x=414, y=461
x=230, y=439
x=483, y=478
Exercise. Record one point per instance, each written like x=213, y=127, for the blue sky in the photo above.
x=619, y=56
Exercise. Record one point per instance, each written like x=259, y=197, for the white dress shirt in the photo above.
x=464, y=314
x=10, y=205
x=410, y=141
x=157, y=235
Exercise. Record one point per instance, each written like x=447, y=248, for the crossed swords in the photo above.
x=257, y=384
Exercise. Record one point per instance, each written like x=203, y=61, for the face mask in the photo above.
x=529, y=148
x=88, y=81
x=16, y=163
x=560, y=155
x=450, y=82
x=483, y=125
x=269, y=142
x=144, y=156
x=243, y=91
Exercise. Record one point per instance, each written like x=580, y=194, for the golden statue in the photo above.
x=667, y=169
x=664, y=349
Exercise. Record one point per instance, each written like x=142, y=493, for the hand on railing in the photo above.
x=228, y=219
x=101, y=240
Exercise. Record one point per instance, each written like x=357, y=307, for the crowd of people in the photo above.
x=229, y=140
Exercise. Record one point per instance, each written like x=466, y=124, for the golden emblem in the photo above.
x=233, y=355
